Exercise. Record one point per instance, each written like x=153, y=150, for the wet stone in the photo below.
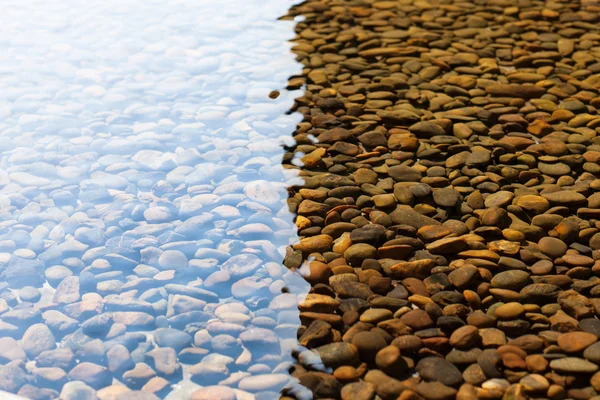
x=368, y=344
x=351, y=289
x=167, y=337
x=10, y=350
x=435, y=390
x=37, y=339
x=573, y=365
x=511, y=280
x=410, y=187
x=574, y=342
x=552, y=247
x=338, y=354
x=91, y=374
x=77, y=390
x=212, y=392
x=403, y=173
x=358, y=390
x=439, y=370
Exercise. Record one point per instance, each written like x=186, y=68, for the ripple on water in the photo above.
x=143, y=215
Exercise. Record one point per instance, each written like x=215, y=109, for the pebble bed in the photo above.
x=449, y=221
x=143, y=216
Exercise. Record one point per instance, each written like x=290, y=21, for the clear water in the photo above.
x=142, y=198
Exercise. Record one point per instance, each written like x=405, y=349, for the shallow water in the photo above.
x=142, y=198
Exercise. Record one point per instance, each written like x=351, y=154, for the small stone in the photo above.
x=138, y=376
x=167, y=337
x=573, y=365
x=359, y=252
x=112, y=392
x=426, y=129
x=565, y=198
x=10, y=350
x=376, y=315
x=552, y=247
x=499, y=199
x=407, y=216
x=384, y=200
x=91, y=374
x=535, y=383
x=417, y=319
x=314, y=244
x=447, y=245
x=513, y=90
x=435, y=391
x=214, y=392
x=77, y=390
x=511, y=280
x=574, y=342
x=358, y=390
x=338, y=354
x=537, y=204
x=592, y=353
x=368, y=344
x=446, y=197
x=36, y=339
x=509, y=311
x=465, y=336
x=439, y=370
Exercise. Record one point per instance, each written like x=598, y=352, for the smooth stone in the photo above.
x=439, y=370
x=573, y=365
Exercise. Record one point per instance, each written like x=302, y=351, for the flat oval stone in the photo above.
x=439, y=370
x=338, y=354
x=512, y=280
x=574, y=342
x=573, y=365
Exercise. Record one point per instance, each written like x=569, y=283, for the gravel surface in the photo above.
x=449, y=220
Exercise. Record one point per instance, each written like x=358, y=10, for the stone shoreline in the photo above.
x=449, y=221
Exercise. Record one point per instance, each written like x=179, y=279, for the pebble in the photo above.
x=36, y=339
x=439, y=370
x=511, y=280
x=91, y=374
x=77, y=390
x=10, y=350
x=368, y=344
x=435, y=184
x=552, y=247
x=213, y=392
x=573, y=365
x=574, y=342
x=509, y=311
x=483, y=238
x=338, y=354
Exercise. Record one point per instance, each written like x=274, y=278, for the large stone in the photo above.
x=91, y=374
x=437, y=369
x=36, y=339
x=404, y=215
x=338, y=354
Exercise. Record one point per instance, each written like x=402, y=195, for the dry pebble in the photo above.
x=457, y=193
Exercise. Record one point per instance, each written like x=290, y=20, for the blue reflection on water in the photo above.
x=143, y=215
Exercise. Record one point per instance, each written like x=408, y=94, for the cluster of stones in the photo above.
x=143, y=223
x=450, y=215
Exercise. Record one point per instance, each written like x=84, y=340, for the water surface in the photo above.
x=142, y=200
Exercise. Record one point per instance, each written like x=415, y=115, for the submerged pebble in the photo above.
x=143, y=216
